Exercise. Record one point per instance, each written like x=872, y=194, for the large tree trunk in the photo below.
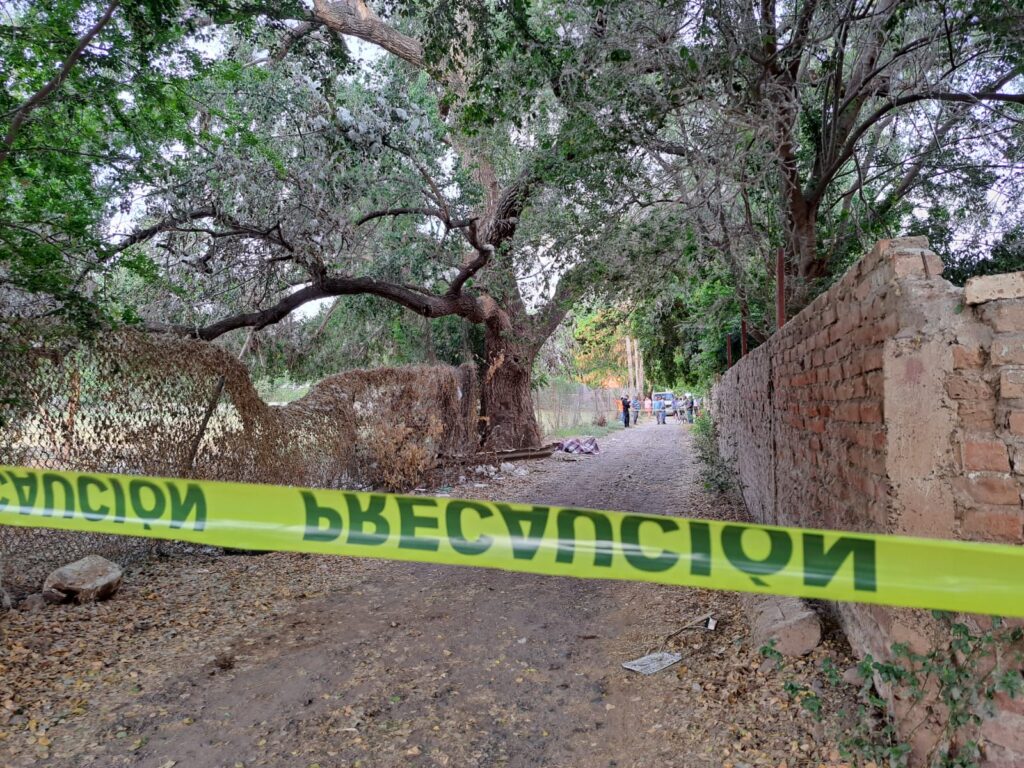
x=803, y=235
x=507, y=399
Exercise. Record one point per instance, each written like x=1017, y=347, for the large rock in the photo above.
x=83, y=581
x=788, y=621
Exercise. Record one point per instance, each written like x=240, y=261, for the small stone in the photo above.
x=84, y=581
x=852, y=676
x=507, y=467
x=33, y=602
x=224, y=660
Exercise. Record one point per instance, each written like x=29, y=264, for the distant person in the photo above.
x=659, y=409
x=636, y=408
x=625, y=410
x=647, y=405
x=689, y=409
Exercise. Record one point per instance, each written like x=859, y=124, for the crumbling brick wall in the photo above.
x=893, y=403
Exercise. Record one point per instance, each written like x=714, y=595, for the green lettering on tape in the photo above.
x=453, y=521
x=700, y=549
x=317, y=514
x=51, y=482
x=820, y=566
x=409, y=521
x=524, y=543
x=25, y=488
x=91, y=512
x=194, y=501
x=631, y=543
x=780, y=550
x=603, y=537
x=359, y=518
x=147, y=509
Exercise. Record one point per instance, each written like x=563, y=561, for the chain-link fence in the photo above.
x=139, y=404
x=563, y=408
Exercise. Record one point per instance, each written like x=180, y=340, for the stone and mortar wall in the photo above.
x=893, y=403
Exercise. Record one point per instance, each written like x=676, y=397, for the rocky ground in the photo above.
x=292, y=660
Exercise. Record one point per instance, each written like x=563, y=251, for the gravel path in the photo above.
x=291, y=660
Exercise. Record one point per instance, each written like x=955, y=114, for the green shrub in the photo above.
x=715, y=474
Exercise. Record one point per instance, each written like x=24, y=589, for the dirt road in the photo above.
x=289, y=660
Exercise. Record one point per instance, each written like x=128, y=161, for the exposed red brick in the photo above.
x=886, y=328
x=968, y=357
x=1016, y=422
x=994, y=524
x=1008, y=349
x=873, y=359
x=819, y=440
x=1011, y=382
x=993, y=489
x=961, y=387
x=977, y=415
x=871, y=411
x=847, y=412
x=984, y=455
x=1005, y=315
x=875, y=382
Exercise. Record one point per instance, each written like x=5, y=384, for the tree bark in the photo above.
x=803, y=223
x=631, y=371
x=507, y=399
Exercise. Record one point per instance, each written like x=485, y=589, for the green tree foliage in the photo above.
x=212, y=166
x=1007, y=255
x=93, y=91
x=600, y=345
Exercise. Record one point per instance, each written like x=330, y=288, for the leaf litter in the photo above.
x=287, y=659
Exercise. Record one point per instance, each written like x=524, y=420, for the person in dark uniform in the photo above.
x=625, y=410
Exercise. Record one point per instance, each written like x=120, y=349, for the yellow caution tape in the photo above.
x=831, y=565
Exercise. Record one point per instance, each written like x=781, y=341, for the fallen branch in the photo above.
x=492, y=457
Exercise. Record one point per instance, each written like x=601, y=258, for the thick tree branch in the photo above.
x=400, y=212
x=22, y=113
x=474, y=309
x=271, y=234
x=354, y=17
x=142, y=235
x=977, y=97
x=470, y=268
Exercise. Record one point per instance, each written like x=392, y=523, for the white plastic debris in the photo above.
x=652, y=662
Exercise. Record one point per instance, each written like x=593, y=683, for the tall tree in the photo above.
x=844, y=110
x=306, y=181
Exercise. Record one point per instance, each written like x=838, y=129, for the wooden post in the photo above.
x=780, y=287
x=629, y=364
x=743, y=337
x=641, y=383
x=211, y=407
x=728, y=353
